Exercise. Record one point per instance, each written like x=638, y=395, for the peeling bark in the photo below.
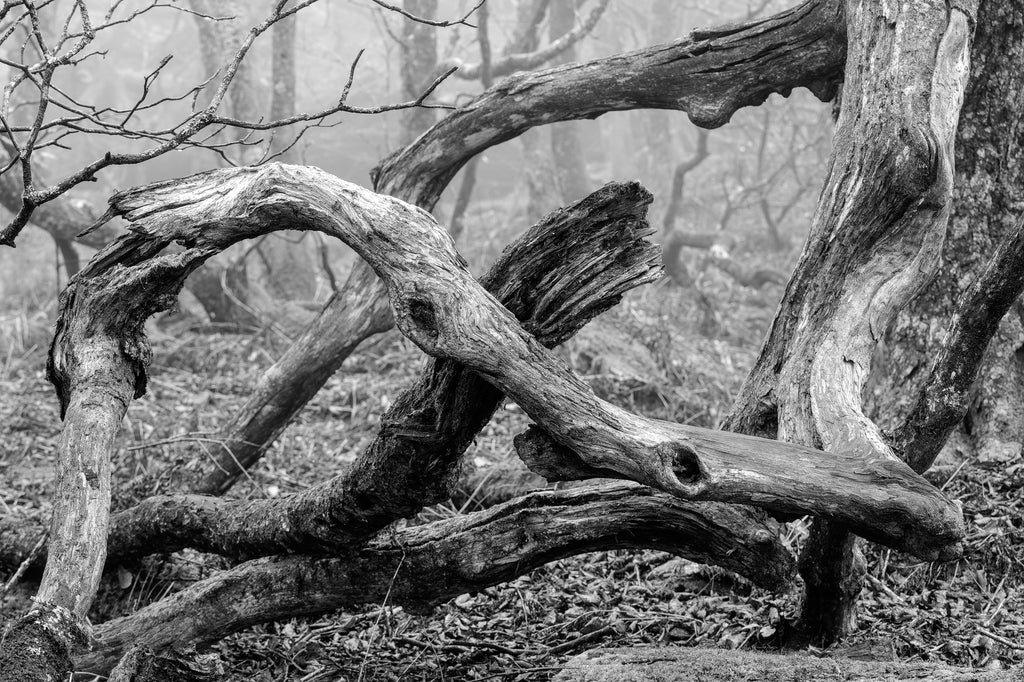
x=420, y=567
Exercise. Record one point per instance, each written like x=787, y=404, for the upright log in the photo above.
x=874, y=244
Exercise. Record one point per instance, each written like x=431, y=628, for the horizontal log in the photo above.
x=422, y=566
x=873, y=496
x=679, y=664
x=441, y=308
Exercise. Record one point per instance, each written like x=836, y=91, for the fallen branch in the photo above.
x=420, y=567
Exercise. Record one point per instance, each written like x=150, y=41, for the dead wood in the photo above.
x=679, y=664
x=446, y=313
x=874, y=244
x=420, y=567
x=709, y=74
x=413, y=462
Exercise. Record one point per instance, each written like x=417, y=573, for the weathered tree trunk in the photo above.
x=944, y=395
x=932, y=367
x=681, y=664
x=874, y=244
x=422, y=566
x=95, y=364
x=989, y=192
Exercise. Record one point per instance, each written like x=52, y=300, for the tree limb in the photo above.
x=711, y=74
x=944, y=397
x=433, y=563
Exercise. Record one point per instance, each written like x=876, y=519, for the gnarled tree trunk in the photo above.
x=875, y=242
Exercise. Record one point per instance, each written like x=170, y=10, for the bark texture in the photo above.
x=142, y=664
x=710, y=74
x=988, y=196
x=678, y=664
x=874, y=243
x=94, y=360
x=414, y=460
x=447, y=314
x=39, y=646
x=944, y=397
x=420, y=567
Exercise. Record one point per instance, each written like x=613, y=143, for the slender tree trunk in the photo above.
x=222, y=286
x=292, y=274
x=566, y=144
x=419, y=62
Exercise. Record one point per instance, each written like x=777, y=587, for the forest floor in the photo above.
x=643, y=355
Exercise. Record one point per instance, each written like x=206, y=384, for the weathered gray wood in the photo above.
x=989, y=194
x=678, y=664
x=142, y=664
x=573, y=265
x=709, y=74
x=422, y=566
x=873, y=245
x=444, y=311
